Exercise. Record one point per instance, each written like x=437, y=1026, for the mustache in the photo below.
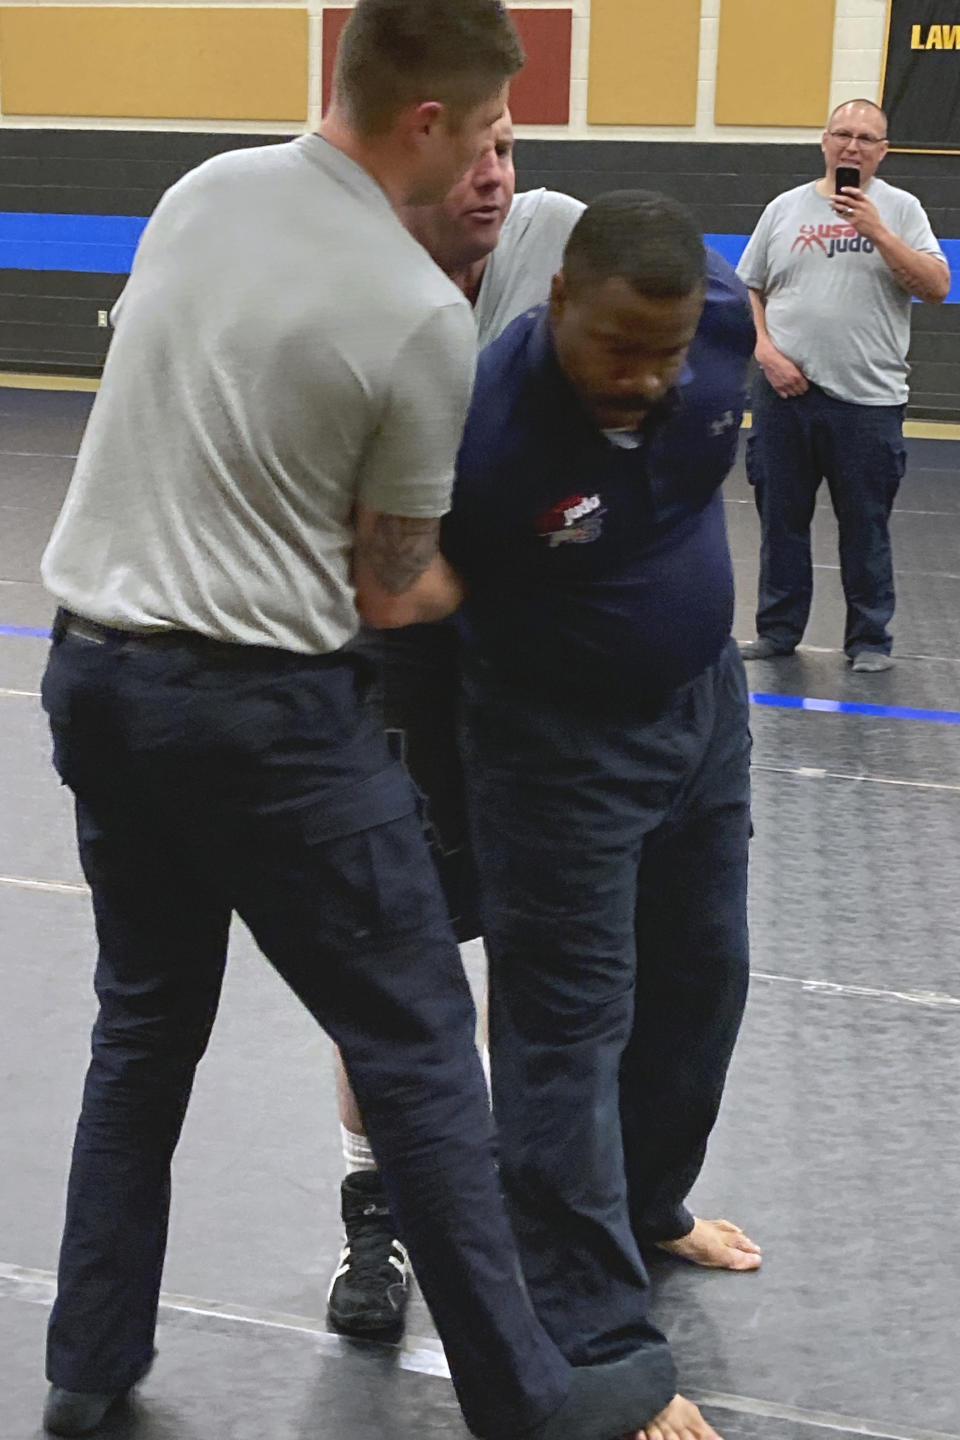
x=652, y=411
x=626, y=404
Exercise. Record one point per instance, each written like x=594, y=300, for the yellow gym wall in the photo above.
x=644, y=62
x=773, y=63
x=640, y=69
x=158, y=62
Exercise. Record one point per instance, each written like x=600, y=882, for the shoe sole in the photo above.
x=354, y=1330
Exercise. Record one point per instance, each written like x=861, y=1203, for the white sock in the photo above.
x=357, y=1154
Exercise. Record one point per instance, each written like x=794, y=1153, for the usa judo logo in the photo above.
x=574, y=521
x=831, y=240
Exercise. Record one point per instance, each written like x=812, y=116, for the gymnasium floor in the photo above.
x=839, y=1144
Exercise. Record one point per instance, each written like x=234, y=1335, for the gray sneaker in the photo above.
x=68, y=1412
x=74, y=1412
x=763, y=648
x=871, y=662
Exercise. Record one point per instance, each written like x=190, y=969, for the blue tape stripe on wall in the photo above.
x=105, y=244
x=731, y=247
x=101, y=244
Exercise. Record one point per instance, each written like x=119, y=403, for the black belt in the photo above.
x=66, y=623
x=224, y=651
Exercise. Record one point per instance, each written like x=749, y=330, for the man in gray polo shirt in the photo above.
x=267, y=459
x=831, y=278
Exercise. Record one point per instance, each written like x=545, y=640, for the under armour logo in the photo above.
x=725, y=422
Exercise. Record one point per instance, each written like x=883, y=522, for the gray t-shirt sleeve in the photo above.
x=916, y=230
x=529, y=254
x=560, y=214
x=753, y=268
x=408, y=467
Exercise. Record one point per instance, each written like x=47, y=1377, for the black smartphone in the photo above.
x=847, y=175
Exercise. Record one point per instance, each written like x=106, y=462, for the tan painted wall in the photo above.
x=857, y=46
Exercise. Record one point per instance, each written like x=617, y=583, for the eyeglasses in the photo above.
x=845, y=136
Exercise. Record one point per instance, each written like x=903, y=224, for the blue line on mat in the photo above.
x=853, y=707
x=780, y=702
x=30, y=631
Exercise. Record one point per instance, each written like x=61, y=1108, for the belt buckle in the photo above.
x=75, y=626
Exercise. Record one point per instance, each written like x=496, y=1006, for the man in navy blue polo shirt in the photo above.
x=607, y=749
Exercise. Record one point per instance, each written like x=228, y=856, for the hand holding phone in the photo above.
x=847, y=175
x=858, y=211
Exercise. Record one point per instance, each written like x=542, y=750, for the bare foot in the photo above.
x=717, y=1245
x=681, y=1420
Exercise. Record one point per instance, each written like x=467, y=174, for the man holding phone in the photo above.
x=831, y=268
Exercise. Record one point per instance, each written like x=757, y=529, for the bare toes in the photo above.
x=680, y=1420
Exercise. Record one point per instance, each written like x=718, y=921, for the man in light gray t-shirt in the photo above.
x=213, y=434
x=831, y=279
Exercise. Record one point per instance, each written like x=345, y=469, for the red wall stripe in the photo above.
x=333, y=23
x=540, y=95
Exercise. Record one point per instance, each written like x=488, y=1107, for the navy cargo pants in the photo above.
x=859, y=450
x=211, y=778
x=612, y=855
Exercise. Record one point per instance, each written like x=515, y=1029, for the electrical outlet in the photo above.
x=103, y=319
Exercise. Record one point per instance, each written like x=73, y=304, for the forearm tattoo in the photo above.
x=399, y=550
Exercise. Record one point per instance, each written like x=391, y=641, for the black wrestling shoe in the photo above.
x=371, y=1287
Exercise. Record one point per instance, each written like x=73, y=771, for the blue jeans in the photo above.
x=612, y=855
x=212, y=778
x=859, y=451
